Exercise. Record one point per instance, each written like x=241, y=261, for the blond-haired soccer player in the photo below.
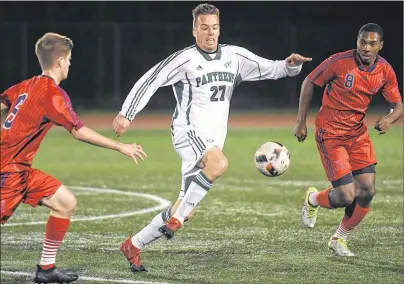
x=34, y=106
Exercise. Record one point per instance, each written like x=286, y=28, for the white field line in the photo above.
x=278, y=182
x=162, y=204
x=18, y=273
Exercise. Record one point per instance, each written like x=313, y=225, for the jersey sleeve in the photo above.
x=325, y=72
x=167, y=72
x=255, y=68
x=59, y=110
x=8, y=96
x=390, y=90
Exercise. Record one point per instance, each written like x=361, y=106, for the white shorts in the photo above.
x=191, y=145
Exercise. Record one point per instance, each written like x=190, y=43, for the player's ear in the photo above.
x=194, y=32
x=381, y=45
x=59, y=62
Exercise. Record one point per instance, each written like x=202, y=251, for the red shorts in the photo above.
x=341, y=156
x=28, y=187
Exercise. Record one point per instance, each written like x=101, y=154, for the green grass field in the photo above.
x=247, y=229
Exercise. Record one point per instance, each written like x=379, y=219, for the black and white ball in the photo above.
x=272, y=159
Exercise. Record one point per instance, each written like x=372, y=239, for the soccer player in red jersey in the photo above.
x=34, y=106
x=351, y=78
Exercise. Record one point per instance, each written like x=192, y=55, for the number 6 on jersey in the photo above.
x=9, y=120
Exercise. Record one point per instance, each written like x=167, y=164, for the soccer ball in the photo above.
x=272, y=159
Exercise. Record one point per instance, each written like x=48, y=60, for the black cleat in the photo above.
x=135, y=268
x=166, y=232
x=54, y=275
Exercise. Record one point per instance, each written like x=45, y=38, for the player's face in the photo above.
x=206, y=32
x=368, y=46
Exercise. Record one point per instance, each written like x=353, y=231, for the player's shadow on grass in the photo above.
x=358, y=261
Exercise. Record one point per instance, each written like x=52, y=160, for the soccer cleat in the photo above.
x=132, y=253
x=170, y=227
x=309, y=212
x=54, y=275
x=339, y=247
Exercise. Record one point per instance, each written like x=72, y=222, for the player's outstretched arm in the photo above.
x=306, y=94
x=167, y=72
x=90, y=136
x=383, y=124
x=255, y=68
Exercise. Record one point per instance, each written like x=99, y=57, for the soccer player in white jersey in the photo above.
x=203, y=77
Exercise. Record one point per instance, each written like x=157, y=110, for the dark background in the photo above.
x=117, y=42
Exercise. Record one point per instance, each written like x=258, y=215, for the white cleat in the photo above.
x=309, y=212
x=339, y=247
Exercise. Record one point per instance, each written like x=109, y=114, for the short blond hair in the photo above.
x=204, y=9
x=50, y=47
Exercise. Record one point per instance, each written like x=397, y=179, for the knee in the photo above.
x=216, y=163
x=70, y=206
x=220, y=165
x=342, y=197
x=366, y=193
x=346, y=198
x=368, y=190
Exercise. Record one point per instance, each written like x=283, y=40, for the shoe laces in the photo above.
x=343, y=243
x=311, y=209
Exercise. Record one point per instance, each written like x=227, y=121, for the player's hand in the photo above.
x=382, y=125
x=120, y=125
x=133, y=151
x=296, y=60
x=300, y=131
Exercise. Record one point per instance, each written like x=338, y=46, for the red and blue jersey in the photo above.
x=349, y=90
x=35, y=105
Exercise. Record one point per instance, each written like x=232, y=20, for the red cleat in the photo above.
x=132, y=253
x=170, y=227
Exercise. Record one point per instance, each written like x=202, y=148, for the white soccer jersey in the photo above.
x=203, y=85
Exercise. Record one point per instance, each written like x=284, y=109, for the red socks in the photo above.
x=55, y=231
x=322, y=198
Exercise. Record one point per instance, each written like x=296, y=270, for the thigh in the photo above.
x=191, y=145
x=13, y=189
x=361, y=153
x=39, y=186
x=334, y=156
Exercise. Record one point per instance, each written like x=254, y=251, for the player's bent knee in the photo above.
x=366, y=194
x=216, y=163
x=72, y=204
x=221, y=165
x=63, y=202
x=346, y=199
x=343, y=196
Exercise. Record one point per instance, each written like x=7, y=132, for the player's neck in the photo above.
x=52, y=75
x=207, y=51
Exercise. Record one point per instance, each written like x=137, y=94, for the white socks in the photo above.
x=197, y=190
x=151, y=233
x=313, y=199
